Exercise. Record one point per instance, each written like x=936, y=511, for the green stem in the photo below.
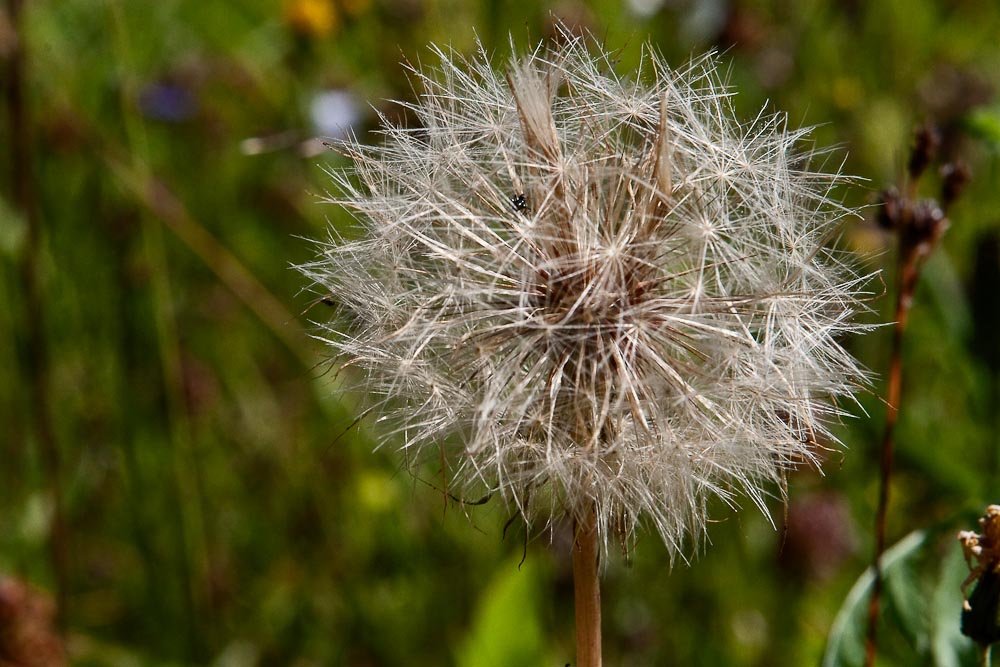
x=984, y=655
x=190, y=534
x=37, y=365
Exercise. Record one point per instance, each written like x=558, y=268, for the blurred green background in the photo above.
x=170, y=424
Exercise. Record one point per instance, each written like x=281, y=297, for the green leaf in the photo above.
x=948, y=646
x=846, y=643
x=906, y=600
x=984, y=123
x=506, y=629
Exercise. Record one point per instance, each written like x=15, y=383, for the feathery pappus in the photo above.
x=597, y=293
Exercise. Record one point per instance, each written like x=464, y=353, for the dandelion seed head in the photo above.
x=594, y=292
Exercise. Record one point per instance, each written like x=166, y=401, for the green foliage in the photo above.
x=985, y=124
x=506, y=627
x=919, y=623
x=846, y=644
x=222, y=505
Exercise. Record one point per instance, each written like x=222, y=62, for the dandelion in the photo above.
x=598, y=296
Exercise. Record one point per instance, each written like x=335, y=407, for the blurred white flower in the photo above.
x=593, y=292
x=334, y=113
x=645, y=8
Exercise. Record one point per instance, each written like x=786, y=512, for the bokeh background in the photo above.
x=183, y=483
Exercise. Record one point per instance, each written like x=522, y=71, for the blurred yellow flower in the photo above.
x=311, y=17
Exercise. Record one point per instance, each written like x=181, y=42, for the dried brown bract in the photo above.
x=983, y=547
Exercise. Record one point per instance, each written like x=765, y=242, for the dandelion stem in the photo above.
x=587, y=593
x=984, y=655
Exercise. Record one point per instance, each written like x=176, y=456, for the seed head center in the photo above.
x=595, y=294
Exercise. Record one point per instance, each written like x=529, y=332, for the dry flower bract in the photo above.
x=594, y=292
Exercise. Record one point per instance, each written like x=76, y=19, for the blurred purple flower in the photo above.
x=821, y=536
x=167, y=102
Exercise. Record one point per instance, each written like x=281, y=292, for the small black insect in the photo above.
x=519, y=202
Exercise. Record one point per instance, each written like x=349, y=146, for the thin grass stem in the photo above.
x=36, y=359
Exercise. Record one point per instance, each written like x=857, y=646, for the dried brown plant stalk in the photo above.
x=919, y=225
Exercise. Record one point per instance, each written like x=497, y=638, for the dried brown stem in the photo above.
x=587, y=593
x=908, y=272
x=919, y=227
